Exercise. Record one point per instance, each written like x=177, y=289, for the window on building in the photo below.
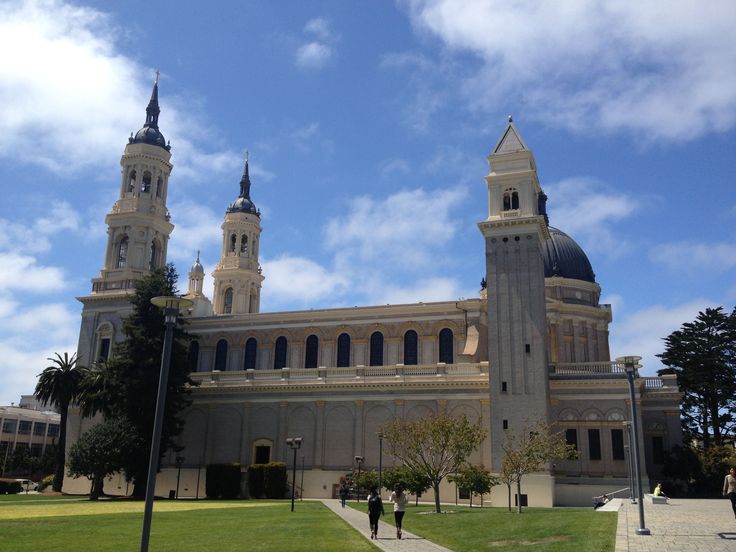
x=24, y=427
x=159, y=186
x=658, y=449
x=233, y=240
x=131, y=181
x=244, y=244
x=262, y=454
x=251, y=351
x=146, y=182
x=153, y=255
x=594, y=444
x=193, y=356
x=343, y=350
x=617, y=444
x=122, y=252
x=510, y=199
x=376, y=349
x=311, y=353
x=53, y=430
x=39, y=429
x=279, y=354
x=505, y=424
x=571, y=437
x=9, y=426
x=227, y=302
x=524, y=500
x=221, y=355
x=410, y=347
x=446, y=349
x=104, y=348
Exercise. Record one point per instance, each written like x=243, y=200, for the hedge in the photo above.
x=267, y=480
x=223, y=481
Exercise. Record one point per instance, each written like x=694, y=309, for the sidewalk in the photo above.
x=386, y=531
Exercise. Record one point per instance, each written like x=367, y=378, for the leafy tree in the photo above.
x=507, y=475
x=433, y=447
x=415, y=483
x=58, y=385
x=529, y=450
x=703, y=355
x=103, y=450
x=366, y=480
x=476, y=480
x=127, y=385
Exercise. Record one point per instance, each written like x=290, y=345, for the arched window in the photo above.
x=146, y=183
x=122, y=252
x=193, y=357
x=510, y=199
x=446, y=339
x=410, y=347
x=251, y=350
x=131, y=180
x=233, y=240
x=227, y=302
x=244, y=244
x=221, y=355
x=159, y=186
x=343, y=350
x=311, y=352
x=376, y=351
x=279, y=353
x=153, y=257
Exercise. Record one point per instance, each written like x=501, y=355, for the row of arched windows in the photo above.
x=145, y=183
x=311, y=351
x=154, y=252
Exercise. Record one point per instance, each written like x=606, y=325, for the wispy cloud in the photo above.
x=693, y=257
x=319, y=49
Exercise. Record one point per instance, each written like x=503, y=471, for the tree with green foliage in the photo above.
x=414, y=482
x=696, y=472
x=702, y=354
x=507, y=476
x=126, y=386
x=103, y=450
x=367, y=480
x=433, y=447
x=475, y=480
x=58, y=385
x=530, y=449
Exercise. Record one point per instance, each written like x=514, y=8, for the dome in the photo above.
x=563, y=258
x=243, y=205
x=149, y=135
x=197, y=267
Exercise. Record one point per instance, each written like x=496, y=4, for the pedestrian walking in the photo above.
x=399, y=498
x=729, y=488
x=343, y=494
x=375, y=511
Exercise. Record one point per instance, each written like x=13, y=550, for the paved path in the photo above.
x=682, y=525
x=386, y=532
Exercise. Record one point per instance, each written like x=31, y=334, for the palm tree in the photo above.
x=58, y=385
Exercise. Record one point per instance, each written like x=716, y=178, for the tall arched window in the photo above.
x=233, y=240
x=122, y=252
x=146, y=183
x=221, y=355
x=446, y=339
x=311, y=352
x=510, y=199
x=227, y=301
x=153, y=257
x=159, y=186
x=279, y=353
x=131, y=180
x=343, y=350
x=193, y=357
x=376, y=351
x=410, y=347
x=244, y=244
x=251, y=350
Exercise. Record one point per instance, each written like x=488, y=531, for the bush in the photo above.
x=45, y=482
x=10, y=486
x=267, y=480
x=256, y=481
x=223, y=480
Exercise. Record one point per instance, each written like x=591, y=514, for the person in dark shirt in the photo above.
x=375, y=511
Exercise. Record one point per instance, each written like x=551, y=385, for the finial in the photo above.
x=197, y=255
x=157, y=75
x=247, y=158
x=511, y=118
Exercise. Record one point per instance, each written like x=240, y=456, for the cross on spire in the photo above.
x=158, y=73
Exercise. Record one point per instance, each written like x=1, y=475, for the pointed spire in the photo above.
x=153, y=110
x=243, y=203
x=245, y=180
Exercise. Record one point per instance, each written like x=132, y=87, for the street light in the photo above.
x=629, y=462
x=293, y=443
x=631, y=363
x=171, y=306
x=380, y=460
x=359, y=460
x=301, y=485
x=179, y=462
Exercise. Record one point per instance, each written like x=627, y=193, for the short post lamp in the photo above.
x=171, y=306
x=294, y=443
x=179, y=462
x=359, y=460
x=301, y=485
x=380, y=461
x=631, y=363
x=630, y=460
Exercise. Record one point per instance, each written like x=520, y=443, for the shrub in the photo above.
x=256, y=481
x=45, y=482
x=10, y=486
x=267, y=480
x=223, y=480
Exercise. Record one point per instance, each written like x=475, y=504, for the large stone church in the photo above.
x=532, y=346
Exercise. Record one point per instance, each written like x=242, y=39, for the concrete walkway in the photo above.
x=386, y=531
x=682, y=525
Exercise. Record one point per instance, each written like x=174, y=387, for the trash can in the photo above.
x=172, y=494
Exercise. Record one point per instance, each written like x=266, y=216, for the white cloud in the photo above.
x=197, y=228
x=291, y=279
x=424, y=290
x=694, y=257
x=663, y=71
x=394, y=166
x=23, y=273
x=35, y=236
x=69, y=97
x=315, y=54
x=320, y=27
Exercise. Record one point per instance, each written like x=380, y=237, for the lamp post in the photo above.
x=293, y=443
x=631, y=363
x=301, y=485
x=359, y=460
x=629, y=463
x=171, y=306
x=380, y=461
x=179, y=462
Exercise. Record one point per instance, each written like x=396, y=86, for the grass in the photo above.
x=112, y=525
x=537, y=529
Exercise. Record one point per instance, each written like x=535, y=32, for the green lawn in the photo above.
x=465, y=529
x=73, y=525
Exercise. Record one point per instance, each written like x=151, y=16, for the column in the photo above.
x=358, y=430
x=319, y=432
x=245, y=445
x=281, y=432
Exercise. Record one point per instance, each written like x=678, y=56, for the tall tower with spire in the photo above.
x=515, y=232
x=238, y=275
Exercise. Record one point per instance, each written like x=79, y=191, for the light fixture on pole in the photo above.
x=171, y=306
x=294, y=443
x=179, y=462
x=359, y=460
x=380, y=461
x=631, y=363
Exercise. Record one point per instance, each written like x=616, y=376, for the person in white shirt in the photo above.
x=729, y=488
x=399, y=498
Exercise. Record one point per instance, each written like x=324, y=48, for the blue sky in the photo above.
x=369, y=124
